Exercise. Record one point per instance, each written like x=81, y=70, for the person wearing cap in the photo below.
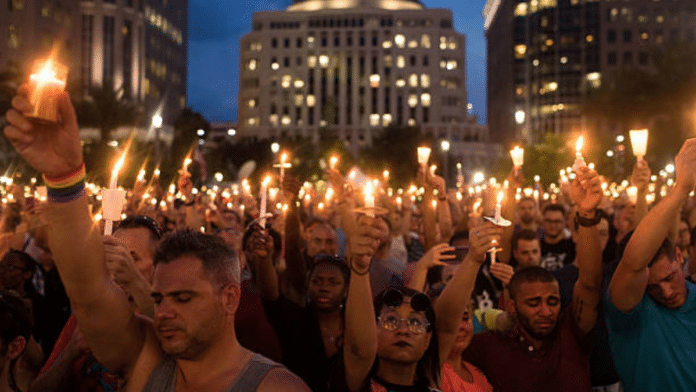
x=547, y=350
x=650, y=307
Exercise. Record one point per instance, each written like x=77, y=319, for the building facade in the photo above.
x=350, y=68
x=545, y=55
x=552, y=47
x=137, y=47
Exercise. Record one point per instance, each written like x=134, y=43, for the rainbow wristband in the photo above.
x=66, y=187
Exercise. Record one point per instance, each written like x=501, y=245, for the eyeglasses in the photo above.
x=391, y=321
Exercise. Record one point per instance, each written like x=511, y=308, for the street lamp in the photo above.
x=157, y=124
x=275, y=147
x=445, y=147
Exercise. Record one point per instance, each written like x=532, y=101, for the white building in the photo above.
x=350, y=67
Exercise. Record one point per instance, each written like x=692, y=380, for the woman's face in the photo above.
x=402, y=334
x=327, y=288
x=465, y=332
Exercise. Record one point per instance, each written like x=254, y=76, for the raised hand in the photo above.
x=368, y=234
x=185, y=185
x=482, y=238
x=436, y=256
x=685, y=162
x=120, y=264
x=586, y=190
x=502, y=272
x=51, y=149
x=640, y=177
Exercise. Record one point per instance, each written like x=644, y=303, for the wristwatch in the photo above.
x=587, y=222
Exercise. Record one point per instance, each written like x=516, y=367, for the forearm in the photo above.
x=588, y=254
x=266, y=279
x=296, y=268
x=451, y=304
x=419, y=277
x=140, y=291
x=429, y=223
x=193, y=219
x=444, y=218
x=641, y=207
x=652, y=231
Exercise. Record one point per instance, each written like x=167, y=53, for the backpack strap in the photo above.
x=254, y=372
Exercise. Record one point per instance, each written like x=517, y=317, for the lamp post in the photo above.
x=157, y=124
x=445, y=147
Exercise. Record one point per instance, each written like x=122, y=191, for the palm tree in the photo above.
x=107, y=109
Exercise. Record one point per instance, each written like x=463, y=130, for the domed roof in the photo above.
x=317, y=5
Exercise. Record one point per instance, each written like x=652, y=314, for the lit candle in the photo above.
x=114, y=173
x=112, y=199
x=399, y=202
x=45, y=84
x=333, y=161
x=639, y=142
x=423, y=156
x=283, y=165
x=632, y=193
x=187, y=162
x=369, y=199
x=499, y=206
x=385, y=175
x=262, y=210
x=579, y=160
x=141, y=175
x=517, y=155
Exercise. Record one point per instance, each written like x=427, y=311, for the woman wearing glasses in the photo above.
x=402, y=347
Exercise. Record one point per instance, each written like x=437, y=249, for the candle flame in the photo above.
x=283, y=157
x=333, y=161
x=385, y=174
x=501, y=195
x=119, y=164
x=578, y=145
x=266, y=181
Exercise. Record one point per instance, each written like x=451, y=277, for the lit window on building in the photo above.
x=310, y=42
x=400, y=41
x=299, y=83
x=285, y=120
x=425, y=41
x=535, y=62
x=412, y=44
x=255, y=46
x=659, y=18
x=374, y=80
x=413, y=80
x=273, y=119
x=551, y=86
x=595, y=79
x=251, y=65
x=564, y=60
x=374, y=119
x=425, y=99
x=299, y=99
x=519, y=91
x=252, y=121
x=451, y=64
x=549, y=42
x=425, y=80
x=324, y=61
x=521, y=9
x=443, y=43
x=400, y=61
x=251, y=103
x=400, y=82
x=443, y=64
x=520, y=51
x=413, y=100
x=312, y=61
x=451, y=43
x=388, y=60
x=45, y=8
x=286, y=81
x=386, y=119
x=589, y=38
x=311, y=101
x=547, y=4
x=412, y=122
x=12, y=37
x=644, y=36
x=387, y=44
x=275, y=65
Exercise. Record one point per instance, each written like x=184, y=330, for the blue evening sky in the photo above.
x=215, y=27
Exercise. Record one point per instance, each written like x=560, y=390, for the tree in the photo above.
x=107, y=109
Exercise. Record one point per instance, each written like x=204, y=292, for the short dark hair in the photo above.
x=554, y=207
x=529, y=275
x=526, y=198
x=15, y=319
x=219, y=261
x=338, y=262
x=666, y=249
x=524, y=234
x=28, y=261
x=275, y=236
x=142, y=222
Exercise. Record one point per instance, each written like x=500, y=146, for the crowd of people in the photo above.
x=199, y=291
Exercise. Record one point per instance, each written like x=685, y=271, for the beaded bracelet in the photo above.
x=66, y=187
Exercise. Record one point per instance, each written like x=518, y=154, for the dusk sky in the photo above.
x=216, y=26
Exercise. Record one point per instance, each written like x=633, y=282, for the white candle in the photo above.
x=369, y=199
x=499, y=206
x=517, y=155
x=579, y=160
x=262, y=210
x=423, y=156
x=639, y=142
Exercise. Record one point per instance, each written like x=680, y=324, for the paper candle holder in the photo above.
x=113, y=201
x=46, y=82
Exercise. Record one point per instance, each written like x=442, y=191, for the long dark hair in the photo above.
x=428, y=367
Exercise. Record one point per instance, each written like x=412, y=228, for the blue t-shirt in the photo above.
x=654, y=347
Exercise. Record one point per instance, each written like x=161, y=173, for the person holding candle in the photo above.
x=549, y=349
x=195, y=285
x=650, y=307
x=402, y=346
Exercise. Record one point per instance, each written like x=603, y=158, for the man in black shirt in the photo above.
x=557, y=251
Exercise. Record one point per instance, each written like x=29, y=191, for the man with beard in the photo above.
x=549, y=349
x=190, y=344
x=528, y=213
x=557, y=251
x=651, y=309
